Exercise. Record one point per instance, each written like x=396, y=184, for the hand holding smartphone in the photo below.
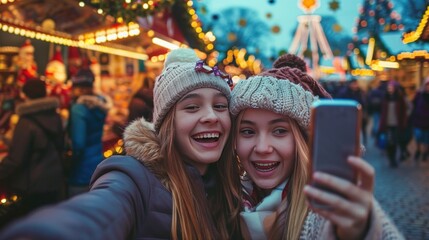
x=334, y=135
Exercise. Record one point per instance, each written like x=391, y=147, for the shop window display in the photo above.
x=8, y=93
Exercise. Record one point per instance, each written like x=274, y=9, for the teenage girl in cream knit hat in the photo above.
x=272, y=112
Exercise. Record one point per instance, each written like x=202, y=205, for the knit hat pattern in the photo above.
x=266, y=92
x=178, y=78
x=285, y=89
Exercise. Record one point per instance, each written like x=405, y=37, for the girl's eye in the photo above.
x=221, y=106
x=246, y=132
x=280, y=131
x=191, y=107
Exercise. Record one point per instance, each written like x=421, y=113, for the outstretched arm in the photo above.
x=106, y=212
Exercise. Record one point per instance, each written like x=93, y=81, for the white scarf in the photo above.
x=254, y=217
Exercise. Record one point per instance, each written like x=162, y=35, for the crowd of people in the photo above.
x=216, y=163
x=36, y=169
x=394, y=118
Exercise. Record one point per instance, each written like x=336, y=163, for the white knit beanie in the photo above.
x=178, y=78
x=266, y=92
x=285, y=89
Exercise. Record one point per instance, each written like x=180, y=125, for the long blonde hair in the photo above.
x=196, y=216
x=293, y=209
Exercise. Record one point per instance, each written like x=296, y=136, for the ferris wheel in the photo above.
x=310, y=37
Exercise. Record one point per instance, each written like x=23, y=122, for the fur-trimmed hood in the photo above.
x=141, y=141
x=37, y=105
x=94, y=101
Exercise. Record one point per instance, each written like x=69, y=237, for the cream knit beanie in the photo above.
x=285, y=89
x=178, y=78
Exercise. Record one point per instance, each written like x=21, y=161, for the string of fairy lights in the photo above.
x=102, y=40
x=415, y=35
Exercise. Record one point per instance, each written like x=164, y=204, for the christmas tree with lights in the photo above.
x=377, y=16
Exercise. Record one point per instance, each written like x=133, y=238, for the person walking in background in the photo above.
x=141, y=104
x=354, y=92
x=32, y=169
x=86, y=125
x=420, y=121
x=179, y=180
x=407, y=133
x=374, y=99
x=393, y=119
x=272, y=113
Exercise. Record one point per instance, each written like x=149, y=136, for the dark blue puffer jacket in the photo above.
x=87, y=117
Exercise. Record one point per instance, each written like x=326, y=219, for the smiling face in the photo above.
x=202, y=124
x=266, y=147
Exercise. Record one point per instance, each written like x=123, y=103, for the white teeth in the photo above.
x=207, y=135
x=265, y=164
x=265, y=167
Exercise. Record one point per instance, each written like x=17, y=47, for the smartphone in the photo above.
x=334, y=135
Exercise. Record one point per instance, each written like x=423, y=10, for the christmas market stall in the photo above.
x=123, y=43
x=416, y=62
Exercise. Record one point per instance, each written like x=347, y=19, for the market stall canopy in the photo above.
x=71, y=19
x=421, y=32
x=395, y=45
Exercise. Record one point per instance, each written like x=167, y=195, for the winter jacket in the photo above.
x=400, y=113
x=420, y=114
x=33, y=162
x=87, y=117
x=126, y=201
x=374, y=99
x=315, y=226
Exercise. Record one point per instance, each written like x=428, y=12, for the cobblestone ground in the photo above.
x=403, y=192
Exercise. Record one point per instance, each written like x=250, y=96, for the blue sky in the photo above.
x=285, y=12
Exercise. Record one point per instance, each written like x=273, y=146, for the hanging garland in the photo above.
x=128, y=10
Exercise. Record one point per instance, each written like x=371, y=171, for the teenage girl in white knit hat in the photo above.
x=272, y=112
x=178, y=180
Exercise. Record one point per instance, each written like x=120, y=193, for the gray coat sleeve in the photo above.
x=107, y=211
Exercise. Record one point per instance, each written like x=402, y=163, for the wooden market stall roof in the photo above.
x=73, y=23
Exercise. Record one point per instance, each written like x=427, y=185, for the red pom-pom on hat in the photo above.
x=291, y=67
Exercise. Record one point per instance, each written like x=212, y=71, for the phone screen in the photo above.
x=335, y=135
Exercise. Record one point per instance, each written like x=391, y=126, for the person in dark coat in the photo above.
x=32, y=169
x=354, y=92
x=420, y=122
x=178, y=181
x=374, y=98
x=141, y=104
x=393, y=119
